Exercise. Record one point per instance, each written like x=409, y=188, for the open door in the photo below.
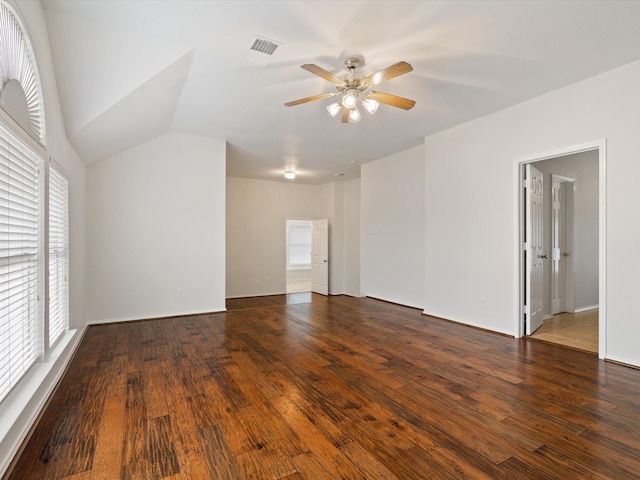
x=320, y=257
x=562, y=244
x=534, y=256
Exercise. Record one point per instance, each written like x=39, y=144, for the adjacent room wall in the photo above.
x=21, y=408
x=472, y=213
x=392, y=228
x=257, y=211
x=583, y=168
x=352, y=237
x=156, y=241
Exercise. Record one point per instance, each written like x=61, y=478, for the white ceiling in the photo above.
x=129, y=71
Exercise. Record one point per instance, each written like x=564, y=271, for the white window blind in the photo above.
x=58, y=255
x=19, y=312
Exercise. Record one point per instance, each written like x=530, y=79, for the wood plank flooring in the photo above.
x=308, y=387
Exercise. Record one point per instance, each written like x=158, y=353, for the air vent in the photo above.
x=260, y=50
x=264, y=46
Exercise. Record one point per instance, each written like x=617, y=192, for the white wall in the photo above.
x=583, y=168
x=471, y=210
x=20, y=409
x=352, y=237
x=156, y=225
x=393, y=227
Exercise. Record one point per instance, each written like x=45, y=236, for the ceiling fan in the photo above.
x=355, y=87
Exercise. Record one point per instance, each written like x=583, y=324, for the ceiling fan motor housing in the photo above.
x=352, y=80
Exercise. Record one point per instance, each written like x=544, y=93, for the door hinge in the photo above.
x=525, y=246
x=525, y=309
x=526, y=183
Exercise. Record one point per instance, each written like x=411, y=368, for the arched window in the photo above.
x=20, y=88
x=33, y=227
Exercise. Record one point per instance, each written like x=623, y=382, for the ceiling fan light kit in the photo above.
x=350, y=98
x=370, y=105
x=334, y=109
x=354, y=116
x=354, y=88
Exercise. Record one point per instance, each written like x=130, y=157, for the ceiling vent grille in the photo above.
x=264, y=46
x=260, y=50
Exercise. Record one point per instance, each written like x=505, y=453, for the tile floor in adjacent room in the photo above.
x=298, y=286
x=576, y=330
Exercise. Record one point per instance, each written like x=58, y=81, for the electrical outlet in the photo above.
x=257, y=283
x=181, y=292
x=483, y=302
x=385, y=282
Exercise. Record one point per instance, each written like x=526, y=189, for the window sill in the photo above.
x=20, y=409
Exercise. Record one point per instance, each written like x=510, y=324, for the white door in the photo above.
x=533, y=251
x=561, y=243
x=320, y=257
x=558, y=247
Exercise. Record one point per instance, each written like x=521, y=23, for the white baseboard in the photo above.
x=151, y=317
x=586, y=309
x=257, y=295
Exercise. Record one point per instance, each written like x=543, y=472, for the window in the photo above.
x=299, y=243
x=58, y=254
x=23, y=324
x=20, y=315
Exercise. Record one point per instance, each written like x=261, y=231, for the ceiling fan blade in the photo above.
x=311, y=99
x=388, y=73
x=345, y=115
x=322, y=73
x=392, y=100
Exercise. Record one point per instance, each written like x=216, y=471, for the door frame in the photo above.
x=286, y=248
x=601, y=146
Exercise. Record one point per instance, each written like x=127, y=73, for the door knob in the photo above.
x=565, y=254
x=542, y=256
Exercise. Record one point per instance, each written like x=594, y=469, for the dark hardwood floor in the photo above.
x=332, y=388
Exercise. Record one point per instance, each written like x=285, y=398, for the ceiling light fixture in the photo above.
x=354, y=116
x=289, y=175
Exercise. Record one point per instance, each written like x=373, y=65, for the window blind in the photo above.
x=58, y=255
x=19, y=313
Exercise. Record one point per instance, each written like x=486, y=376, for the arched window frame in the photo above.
x=21, y=65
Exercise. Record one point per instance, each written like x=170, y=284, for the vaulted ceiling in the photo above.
x=129, y=71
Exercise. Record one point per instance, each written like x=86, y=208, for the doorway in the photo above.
x=307, y=256
x=572, y=255
x=298, y=263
